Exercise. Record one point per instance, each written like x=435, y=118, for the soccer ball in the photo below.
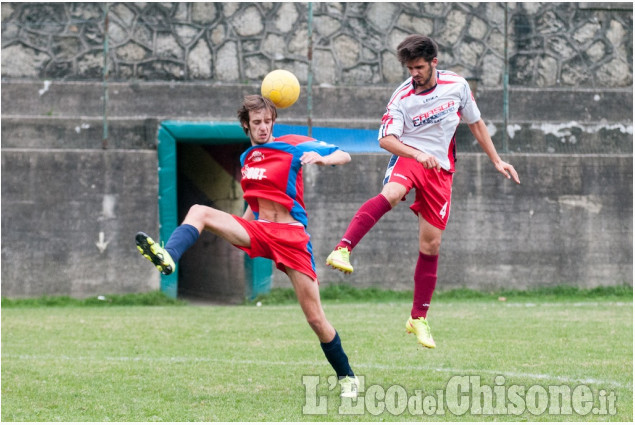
x=281, y=87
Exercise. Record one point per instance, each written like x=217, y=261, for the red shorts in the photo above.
x=288, y=245
x=433, y=189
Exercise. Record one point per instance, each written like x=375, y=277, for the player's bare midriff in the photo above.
x=273, y=211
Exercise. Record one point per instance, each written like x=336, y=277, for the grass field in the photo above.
x=247, y=363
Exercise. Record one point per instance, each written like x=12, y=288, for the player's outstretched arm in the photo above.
x=339, y=157
x=479, y=130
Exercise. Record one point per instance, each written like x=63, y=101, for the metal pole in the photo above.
x=309, y=94
x=104, y=142
x=505, y=86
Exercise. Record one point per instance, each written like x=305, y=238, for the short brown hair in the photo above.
x=417, y=46
x=255, y=102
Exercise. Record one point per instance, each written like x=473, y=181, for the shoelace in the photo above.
x=425, y=326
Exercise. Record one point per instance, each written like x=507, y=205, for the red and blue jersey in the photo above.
x=273, y=171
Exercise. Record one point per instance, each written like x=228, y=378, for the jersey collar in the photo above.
x=423, y=93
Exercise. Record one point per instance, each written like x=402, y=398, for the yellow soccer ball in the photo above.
x=281, y=87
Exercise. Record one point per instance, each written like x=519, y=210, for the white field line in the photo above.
x=573, y=304
x=532, y=304
x=551, y=379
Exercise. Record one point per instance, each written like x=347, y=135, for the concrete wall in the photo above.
x=569, y=133
x=69, y=218
x=569, y=222
x=71, y=114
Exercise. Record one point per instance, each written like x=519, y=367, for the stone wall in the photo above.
x=549, y=44
x=569, y=222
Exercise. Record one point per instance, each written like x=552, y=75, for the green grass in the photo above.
x=347, y=293
x=338, y=293
x=154, y=298
x=86, y=363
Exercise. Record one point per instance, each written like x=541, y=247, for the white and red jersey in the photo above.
x=427, y=121
x=273, y=171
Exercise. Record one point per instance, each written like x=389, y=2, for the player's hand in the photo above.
x=428, y=161
x=312, y=158
x=507, y=170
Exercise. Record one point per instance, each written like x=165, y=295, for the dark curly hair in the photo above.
x=417, y=46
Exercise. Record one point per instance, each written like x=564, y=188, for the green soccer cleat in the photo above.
x=421, y=329
x=340, y=260
x=154, y=253
x=349, y=386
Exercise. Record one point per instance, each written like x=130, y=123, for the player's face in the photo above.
x=423, y=72
x=260, y=126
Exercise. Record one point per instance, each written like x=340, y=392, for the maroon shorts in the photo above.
x=287, y=244
x=433, y=189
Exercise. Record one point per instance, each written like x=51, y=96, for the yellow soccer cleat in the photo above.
x=154, y=253
x=421, y=329
x=340, y=260
x=349, y=386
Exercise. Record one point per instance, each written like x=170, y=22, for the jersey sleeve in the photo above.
x=321, y=148
x=469, y=111
x=393, y=120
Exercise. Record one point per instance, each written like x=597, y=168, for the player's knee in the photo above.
x=201, y=215
x=393, y=194
x=314, y=321
x=430, y=246
x=317, y=322
x=197, y=211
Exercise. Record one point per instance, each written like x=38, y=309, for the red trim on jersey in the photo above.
x=440, y=81
x=410, y=90
x=294, y=139
x=387, y=119
x=452, y=153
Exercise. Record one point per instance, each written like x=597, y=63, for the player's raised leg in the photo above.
x=364, y=219
x=308, y=294
x=218, y=222
x=198, y=218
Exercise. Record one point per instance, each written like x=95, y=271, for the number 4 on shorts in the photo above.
x=443, y=210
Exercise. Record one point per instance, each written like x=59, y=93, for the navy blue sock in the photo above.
x=337, y=357
x=181, y=240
